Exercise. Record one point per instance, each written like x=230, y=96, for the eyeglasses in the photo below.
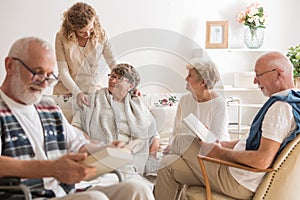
x=39, y=78
x=114, y=77
x=259, y=75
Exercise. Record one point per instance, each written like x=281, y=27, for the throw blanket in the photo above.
x=253, y=141
x=100, y=121
x=99, y=118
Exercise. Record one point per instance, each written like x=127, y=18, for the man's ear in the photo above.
x=8, y=64
x=279, y=72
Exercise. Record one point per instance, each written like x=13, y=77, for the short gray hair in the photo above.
x=128, y=71
x=20, y=47
x=207, y=70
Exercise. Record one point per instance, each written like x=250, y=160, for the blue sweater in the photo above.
x=253, y=141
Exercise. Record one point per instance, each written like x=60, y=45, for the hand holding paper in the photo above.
x=108, y=159
x=199, y=129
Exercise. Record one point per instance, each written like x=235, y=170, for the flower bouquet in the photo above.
x=253, y=18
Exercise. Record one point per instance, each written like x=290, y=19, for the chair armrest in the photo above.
x=222, y=162
x=236, y=165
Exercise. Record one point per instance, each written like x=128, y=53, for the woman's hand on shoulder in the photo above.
x=137, y=93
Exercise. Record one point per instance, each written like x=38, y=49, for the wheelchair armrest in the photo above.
x=9, y=181
x=119, y=175
x=13, y=185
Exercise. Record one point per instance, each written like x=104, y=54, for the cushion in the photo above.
x=164, y=117
x=199, y=192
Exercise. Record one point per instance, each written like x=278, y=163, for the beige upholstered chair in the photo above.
x=280, y=182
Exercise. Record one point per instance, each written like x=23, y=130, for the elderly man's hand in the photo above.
x=69, y=170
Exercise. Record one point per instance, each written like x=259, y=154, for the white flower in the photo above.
x=253, y=16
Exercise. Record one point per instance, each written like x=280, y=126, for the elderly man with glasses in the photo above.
x=37, y=142
x=276, y=124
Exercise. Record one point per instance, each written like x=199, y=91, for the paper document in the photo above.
x=108, y=159
x=199, y=129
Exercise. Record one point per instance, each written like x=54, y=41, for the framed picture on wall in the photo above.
x=216, y=34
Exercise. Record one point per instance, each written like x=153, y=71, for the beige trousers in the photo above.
x=128, y=190
x=182, y=167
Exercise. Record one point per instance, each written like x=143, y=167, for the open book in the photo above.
x=199, y=129
x=108, y=159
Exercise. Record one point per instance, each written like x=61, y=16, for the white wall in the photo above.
x=43, y=18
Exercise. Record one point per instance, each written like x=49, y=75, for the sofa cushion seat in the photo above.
x=199, y=192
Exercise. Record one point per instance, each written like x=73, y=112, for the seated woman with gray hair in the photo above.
x=207, y=106
x=115, y=113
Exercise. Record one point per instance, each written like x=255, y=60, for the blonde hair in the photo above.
x=77, y=17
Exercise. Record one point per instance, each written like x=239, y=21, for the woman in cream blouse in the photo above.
x=79, y=45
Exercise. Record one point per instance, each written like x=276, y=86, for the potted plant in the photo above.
x=294, y=56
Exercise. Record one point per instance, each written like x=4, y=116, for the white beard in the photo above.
x=23, y=91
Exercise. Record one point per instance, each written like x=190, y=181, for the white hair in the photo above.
x=206, y=69
x=20, y=47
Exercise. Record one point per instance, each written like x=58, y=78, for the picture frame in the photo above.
x=216, y=34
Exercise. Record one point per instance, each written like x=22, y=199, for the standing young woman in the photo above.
x=79, y=45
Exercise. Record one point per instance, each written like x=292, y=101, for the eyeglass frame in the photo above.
x=112, y=76
x=260, y=74
x=51, y=81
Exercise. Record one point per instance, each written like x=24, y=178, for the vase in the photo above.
x=253, y=37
